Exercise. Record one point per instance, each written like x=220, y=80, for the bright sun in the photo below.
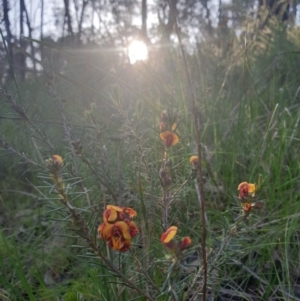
x=137, y=51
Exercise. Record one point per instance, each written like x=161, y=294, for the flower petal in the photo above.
x=165, y=135
x=100, y=230
x=251, y=188
x=126, y=246
x=117, y=243
x=169, y=138
x=241, y=185
x=184, y=243
x=123, y=228
x=246, y=189
x=132, y=213
x=107, y=231
x=117, y=208
x=194, y=159
x=247, y=207
x=58, y=159
x=110, y=215
x=168, y=235
x=133, y=229
x=175, y=139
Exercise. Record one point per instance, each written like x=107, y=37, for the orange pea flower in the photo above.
x=194, y=159
x=133, y=229
x=110, y=215
x=126, y=244
x=54, y=164
x=116, y=234
x=247, y=207
x=167, y=238
x=58, y=160
x=184, y=243
x=100, y=230
x=169, y=138
x=117, y=213
x=246, y=189
x=127, y=214
x=118, y=228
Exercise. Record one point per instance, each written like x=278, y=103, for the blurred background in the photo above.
x=112, y=67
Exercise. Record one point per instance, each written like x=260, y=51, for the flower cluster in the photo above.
x=118, y=228
x=246, y=195
x=167, y=130
x=174, y=246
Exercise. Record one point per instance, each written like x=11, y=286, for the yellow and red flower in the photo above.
x=118, y=228
x=194, y=159
x=247, y=207
x=167, y=238
x=169, y=138
x=246, y=189
x=246, y=195
x=117, y=213
x=54, y=164
x=133, y=229
x=57, y=159
x=110, y=215
x=184, y=243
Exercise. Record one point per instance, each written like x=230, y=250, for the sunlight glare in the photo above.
x=137, y=51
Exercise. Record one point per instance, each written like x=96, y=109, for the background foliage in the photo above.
x=72, y=82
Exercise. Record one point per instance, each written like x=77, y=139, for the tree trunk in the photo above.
x=8, y=37
x=84, y=4
x=207, y=16
x=22, y=57
x=68, y=17
x=168, y=28
x=41, y=32
x=144, y=19
x=29, y=34
x=277, y=8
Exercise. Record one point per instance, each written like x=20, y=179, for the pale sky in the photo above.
x=50, y=7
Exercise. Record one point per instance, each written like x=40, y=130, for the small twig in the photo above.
x=199, y=198
x=165, y=208
x=12, y=150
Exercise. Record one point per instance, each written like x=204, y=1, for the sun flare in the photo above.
x=137, y=51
